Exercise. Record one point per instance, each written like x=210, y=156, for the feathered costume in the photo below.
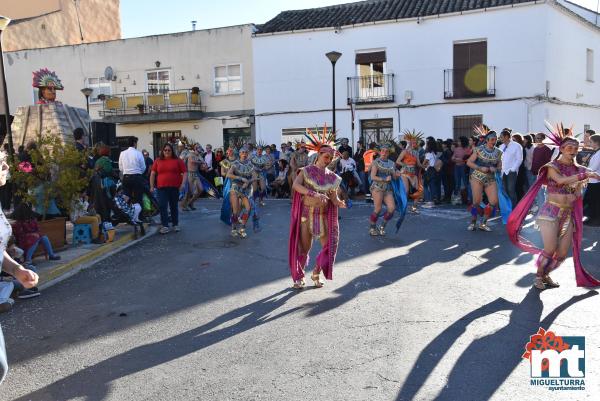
x=386, y=169
x=410, y=168
x=488, y=158
x=583, y=278
x=318, y=181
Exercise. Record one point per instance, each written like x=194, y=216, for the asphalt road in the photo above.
x=435, y=312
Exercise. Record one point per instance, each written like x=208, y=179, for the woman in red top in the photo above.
x=168, y=175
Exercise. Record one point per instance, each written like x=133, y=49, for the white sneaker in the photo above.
x=176, y=229
x=164, y=230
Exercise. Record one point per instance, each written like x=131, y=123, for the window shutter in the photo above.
x=372, y=57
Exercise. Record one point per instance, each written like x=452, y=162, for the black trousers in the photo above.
x=134, y=186
x=592, y=201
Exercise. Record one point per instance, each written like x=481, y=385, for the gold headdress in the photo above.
x=413, y=135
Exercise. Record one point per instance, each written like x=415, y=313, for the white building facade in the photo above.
x=197, y=85
x=507, y=66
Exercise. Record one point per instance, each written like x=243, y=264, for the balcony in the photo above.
x=368, y=89
x=154, y=106
x=466, y=83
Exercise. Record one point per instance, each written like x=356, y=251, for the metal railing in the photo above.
x=152, y=102
x=377, y=88
x=464, y=83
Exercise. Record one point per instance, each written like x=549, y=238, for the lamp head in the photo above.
x=87, y=91
x=333, y=56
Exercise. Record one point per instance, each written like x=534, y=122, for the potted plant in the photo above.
x=140, y=107
x=51, y=182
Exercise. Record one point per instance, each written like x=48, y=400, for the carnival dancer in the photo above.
x=560, y=218
x=298, y=160
x=261, y=163
x=386, y=187
x=484, y=162
x=225, y=167
x=242, y=174
x=194, y=186
x=411, y=168
x=48, y=83
x=315, y=213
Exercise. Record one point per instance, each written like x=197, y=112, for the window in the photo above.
x=158, y=81
x=228, y=79
x=470, y=74
x=101, y=86
x=463, y=125
x=370, y=68
x=590, y=65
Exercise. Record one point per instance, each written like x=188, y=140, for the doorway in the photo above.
x=159, y=138
x=236, y=137
x=376, y=130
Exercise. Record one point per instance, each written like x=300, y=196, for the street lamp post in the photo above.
x=87, y=92
x=333, y=57
x=4, y=21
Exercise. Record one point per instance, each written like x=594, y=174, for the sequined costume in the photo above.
x=242, y=169
x=321, y=220
x=486, y=158
x=411, y=171
x=385, y=169
x=225, y=166
x=321, y=182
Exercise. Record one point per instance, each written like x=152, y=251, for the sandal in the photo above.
x=373, y=232
x=549, y=283
x=315, y=277
x=539, y=283
x=299, y=284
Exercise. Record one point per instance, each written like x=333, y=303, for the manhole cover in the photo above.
x=214, y=244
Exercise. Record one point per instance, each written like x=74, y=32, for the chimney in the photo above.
x=194, y=25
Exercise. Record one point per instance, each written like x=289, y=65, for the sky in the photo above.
x=153, y=17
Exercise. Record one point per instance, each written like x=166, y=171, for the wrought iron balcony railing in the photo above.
x=464, y=83
x=366, y=89
x=153, y=102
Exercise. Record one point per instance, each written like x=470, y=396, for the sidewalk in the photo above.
x=75, y=258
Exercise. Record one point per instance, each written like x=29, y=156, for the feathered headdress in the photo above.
x=322, y=140
x=483, y=131
x=413, y=135
x=45, y=78
x=261, y=145
x=559, y=134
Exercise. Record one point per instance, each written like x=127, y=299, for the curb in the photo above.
x=64, y=271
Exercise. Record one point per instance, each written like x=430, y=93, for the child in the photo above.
x=28, y=235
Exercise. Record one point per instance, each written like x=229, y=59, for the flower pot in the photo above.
x=56, y=230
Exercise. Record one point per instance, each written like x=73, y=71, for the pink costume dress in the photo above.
x=322, y=181
x=551, y=211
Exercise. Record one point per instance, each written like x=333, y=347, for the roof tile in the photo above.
x=371, y=11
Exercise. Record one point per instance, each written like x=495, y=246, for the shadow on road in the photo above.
x=93, y=382
x=488, y=361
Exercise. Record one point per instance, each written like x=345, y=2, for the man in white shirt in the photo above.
x=512, y=157
x=592, y=195
x=132, y=166
x=348, y=165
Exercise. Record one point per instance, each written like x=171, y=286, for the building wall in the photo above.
x=568, y=40
x=298, y=78
x=189, y=55
x=100, y=21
